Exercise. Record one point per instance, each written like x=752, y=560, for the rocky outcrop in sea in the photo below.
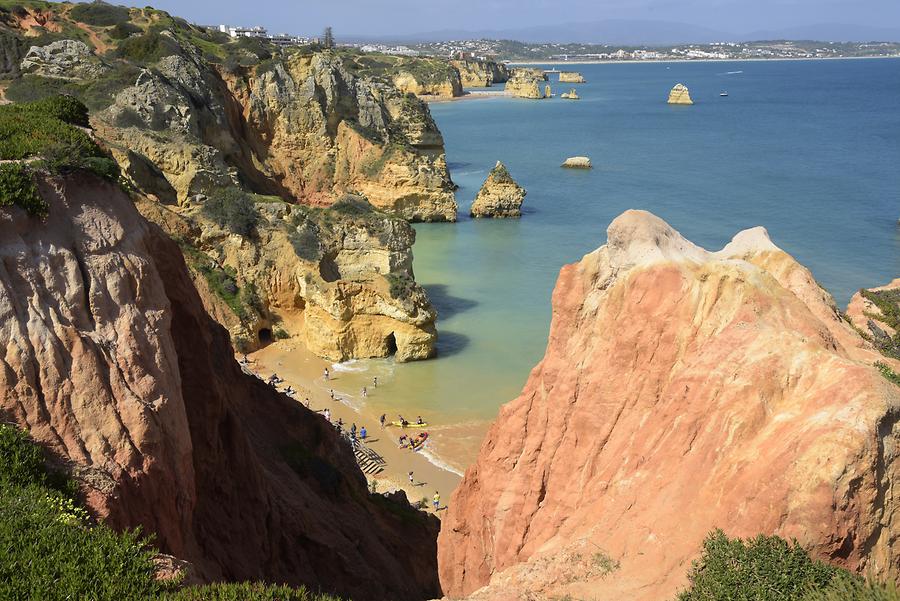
x=682, y=390
x=680, y=95
x=571, y=77
x=500, y=195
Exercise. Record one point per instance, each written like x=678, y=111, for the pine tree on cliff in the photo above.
x=328, y=38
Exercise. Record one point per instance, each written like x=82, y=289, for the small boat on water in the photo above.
x=723, y=93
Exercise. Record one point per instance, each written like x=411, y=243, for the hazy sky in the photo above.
x=380, y=17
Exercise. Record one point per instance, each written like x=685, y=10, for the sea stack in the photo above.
x=526, y=83
x=680, y=95
x=500, y=196
x=577, y=163
x=666, y=361
x=570, y=95
x=571, y=77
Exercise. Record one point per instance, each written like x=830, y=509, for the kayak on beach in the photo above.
x=408, y=425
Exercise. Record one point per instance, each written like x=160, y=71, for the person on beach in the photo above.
x=326, y=373
x=410, y=477
x=332, y=393
x=340, y=422
x=403, y=421
x=306, y=402
x=420, y=421
x=328, y=414
x=403, y=441
x=363, y=433
x=437, y=500
x=365, y=392
x=353, y=430
x=383, y=417
x=375, y=382
x=244, y=360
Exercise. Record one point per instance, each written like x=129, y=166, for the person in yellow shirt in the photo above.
x=437, y=500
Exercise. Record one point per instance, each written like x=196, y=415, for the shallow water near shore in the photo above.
x=808, y=149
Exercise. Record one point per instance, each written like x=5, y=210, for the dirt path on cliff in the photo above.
x=304, y=372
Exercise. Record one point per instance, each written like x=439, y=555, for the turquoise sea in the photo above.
x=808, y=149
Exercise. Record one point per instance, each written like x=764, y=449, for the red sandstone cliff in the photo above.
x=681, y=391
x=109, y=359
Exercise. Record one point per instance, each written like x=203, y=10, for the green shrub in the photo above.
x=28, y=129
x=62, y=159
x=124, y=30
x=763, y=568
x=100, y=14
x=17, y=187
x=64, y=108
x=148, y=48
x=889, y=374
x=246, y=591
x=846, y=587
x=352, y=205
x=234, y=210
x=280, y=334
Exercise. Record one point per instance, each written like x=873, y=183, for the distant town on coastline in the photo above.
x=513, y=51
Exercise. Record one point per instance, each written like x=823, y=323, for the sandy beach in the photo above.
x=304, y=372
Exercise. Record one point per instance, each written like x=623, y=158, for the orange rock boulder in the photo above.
x=682, y=390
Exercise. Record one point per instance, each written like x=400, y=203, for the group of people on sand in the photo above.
x=413, y=443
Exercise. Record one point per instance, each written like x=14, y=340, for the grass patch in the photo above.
x=889, y=374
x=247, y=591
x=888, y=304
x=46, y=130
x=48, y=548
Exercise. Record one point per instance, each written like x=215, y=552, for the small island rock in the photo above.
x=680, y=95
x=578, y=163
x=500, y=196
x=571, y=95
x=571, y=77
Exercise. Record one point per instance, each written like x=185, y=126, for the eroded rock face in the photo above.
x=481, y=74
x=448, y=85
x=500, y=196
x=681, y=390
x=111, y=362
x=304, y=128
x=680, y=95
x=63, y=59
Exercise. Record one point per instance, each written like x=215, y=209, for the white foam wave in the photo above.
x=434, y=460
x=353, y=365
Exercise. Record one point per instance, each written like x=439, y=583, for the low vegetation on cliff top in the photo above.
x=45, y=135
x=50, y=549
x=769, y=568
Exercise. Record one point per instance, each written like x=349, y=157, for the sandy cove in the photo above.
x=304, y=372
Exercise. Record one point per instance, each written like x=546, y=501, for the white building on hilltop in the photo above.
x=245, y=32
